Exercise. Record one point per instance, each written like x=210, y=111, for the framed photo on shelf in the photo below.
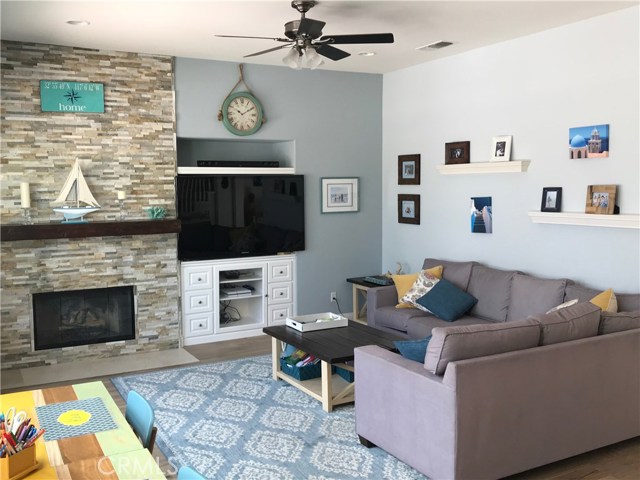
x=409, y=169
x=501, y=151
x=551, y=199
x=339, y=194
x=409, y=209
x=457, y=152
x=601, y=199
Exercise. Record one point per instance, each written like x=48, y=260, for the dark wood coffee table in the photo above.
x=332, y=346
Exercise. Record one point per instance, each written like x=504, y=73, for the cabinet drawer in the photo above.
x=198, y=301
x=198, y=324
x=281, y=271
x=279, y=313
x=280, y=293
x=198, y=277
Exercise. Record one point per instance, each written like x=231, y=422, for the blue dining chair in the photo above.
x=140, y=416
x=186, y=473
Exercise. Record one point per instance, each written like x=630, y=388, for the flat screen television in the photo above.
x=231, y=216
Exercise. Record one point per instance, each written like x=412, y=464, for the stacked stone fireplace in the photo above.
x=131, y=148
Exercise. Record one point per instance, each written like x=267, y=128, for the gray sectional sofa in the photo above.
x=505, y=388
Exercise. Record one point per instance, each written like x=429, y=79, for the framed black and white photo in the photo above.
x=409, y=169
x=339, y=194
x=457, y=152
x=409, y=209
x=501, y=150
x=551, y=199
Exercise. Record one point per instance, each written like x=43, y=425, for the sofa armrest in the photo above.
x=380, y=297
x=406, y=410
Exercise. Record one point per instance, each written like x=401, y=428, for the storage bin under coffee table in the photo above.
x=333, y=347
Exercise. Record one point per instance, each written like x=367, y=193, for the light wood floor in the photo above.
x=616, y=462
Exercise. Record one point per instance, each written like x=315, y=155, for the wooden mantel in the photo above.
x=43, y=231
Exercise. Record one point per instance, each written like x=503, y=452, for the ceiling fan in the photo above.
x=305, y=38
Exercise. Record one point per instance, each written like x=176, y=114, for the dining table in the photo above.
x=109, y=450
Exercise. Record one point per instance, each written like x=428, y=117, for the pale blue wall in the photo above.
x=335, y=120
x=534, y=88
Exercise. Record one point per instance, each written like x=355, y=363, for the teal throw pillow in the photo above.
x=446, y=301
x=413, y=349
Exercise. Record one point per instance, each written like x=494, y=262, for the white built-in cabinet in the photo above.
x=211, y=315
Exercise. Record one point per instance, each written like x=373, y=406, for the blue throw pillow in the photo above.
x=446, y=301
x=413, y=349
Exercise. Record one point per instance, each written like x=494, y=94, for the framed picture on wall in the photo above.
x=457, y=152
x=501, y=150
x=339, y=195
x=551, y=199
x=601, y=199
x=409, y=169
x=409, y=209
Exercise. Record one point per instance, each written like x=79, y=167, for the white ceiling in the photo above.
x=188, y=28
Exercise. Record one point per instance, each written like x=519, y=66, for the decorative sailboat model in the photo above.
x=76, y=190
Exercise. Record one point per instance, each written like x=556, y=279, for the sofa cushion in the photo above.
x=570, y=323
x=607, y=301
x=457, y=273
x=396, y=318
x=449, y=344
x=414, y=350
x=446, y=301
x=492, y=288
x=423, y=284
x=618, y=322
x=404, y=283
x=532, y=295
x=420, y=327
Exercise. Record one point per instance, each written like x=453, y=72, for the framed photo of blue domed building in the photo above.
x=589, y=142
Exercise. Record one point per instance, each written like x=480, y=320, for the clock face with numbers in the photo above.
x=242, y=113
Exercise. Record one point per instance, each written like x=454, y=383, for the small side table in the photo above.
x=360, y=292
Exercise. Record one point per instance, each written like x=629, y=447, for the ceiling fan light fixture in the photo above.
x=293, y=59
x=313, y=60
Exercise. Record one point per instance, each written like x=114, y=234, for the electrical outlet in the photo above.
x=334, y=297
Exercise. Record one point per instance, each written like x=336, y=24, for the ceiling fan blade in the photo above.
x=361, y=38
x=266, y=51
x=332, y=53
x=261, y=38
x=310, y=28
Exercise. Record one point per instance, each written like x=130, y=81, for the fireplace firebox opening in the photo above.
x=83, y=317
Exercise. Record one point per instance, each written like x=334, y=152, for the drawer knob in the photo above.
x=199, y=279
x=200, y=302
x=281, y=293
x=281, y=272
x=282, y=314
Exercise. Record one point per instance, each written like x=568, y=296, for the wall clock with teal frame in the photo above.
x=242, y=113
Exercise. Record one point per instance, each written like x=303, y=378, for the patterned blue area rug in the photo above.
x=232, y=421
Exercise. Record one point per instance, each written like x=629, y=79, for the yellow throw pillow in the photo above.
x=405, y=282
x=607, y=301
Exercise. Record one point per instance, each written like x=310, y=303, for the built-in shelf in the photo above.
x=236, y=171
x=44, y=231
x=586, y=219
x=484, y=167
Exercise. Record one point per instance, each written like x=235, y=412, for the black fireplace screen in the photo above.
x=83, y=317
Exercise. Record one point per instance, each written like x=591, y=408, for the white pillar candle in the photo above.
x=121, y=195
x=25, y=198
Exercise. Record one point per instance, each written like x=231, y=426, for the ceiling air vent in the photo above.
x=436, y=45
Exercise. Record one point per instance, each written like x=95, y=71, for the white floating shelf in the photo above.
x=484, y=167
x=586, y=219
x=236, y=171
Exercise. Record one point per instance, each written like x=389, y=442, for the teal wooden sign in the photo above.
x=72, y=97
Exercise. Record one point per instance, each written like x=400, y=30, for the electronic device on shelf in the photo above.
x=238, y=215
x=239, y=164
x=234, y=290
x=231, y=274
x=381, y=280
